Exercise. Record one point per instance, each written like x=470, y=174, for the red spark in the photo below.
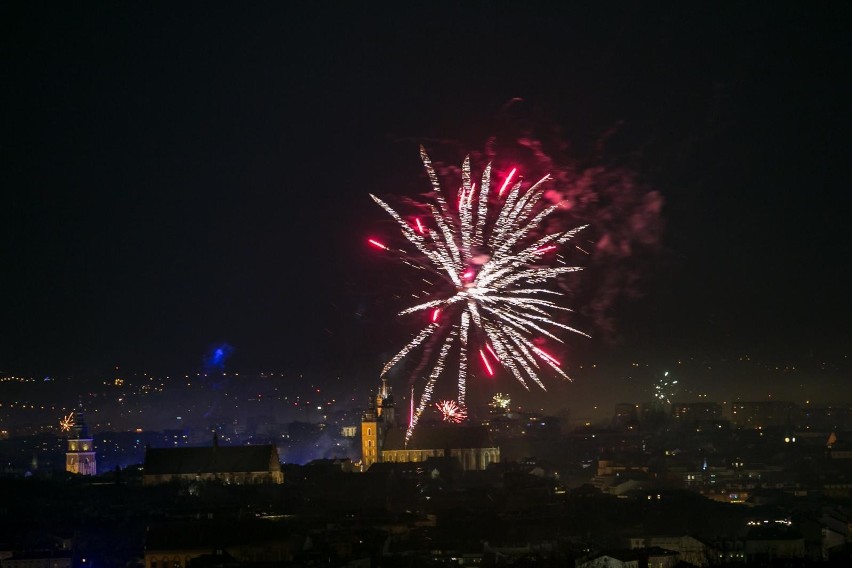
x=419, y=225
x=377, y=244
x=485, y=362
x=506, y=183
x=488, y=346
x=435, y=313
x=547, y=356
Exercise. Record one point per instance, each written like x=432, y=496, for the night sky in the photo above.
x=177, y=175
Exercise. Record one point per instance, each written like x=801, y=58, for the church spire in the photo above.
x=384, y=403
x=80, y=456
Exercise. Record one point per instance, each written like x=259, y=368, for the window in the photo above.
x=369, y=431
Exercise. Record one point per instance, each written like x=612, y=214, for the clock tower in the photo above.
x=80, y=457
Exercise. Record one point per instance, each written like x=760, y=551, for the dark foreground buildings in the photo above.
x=227, y=464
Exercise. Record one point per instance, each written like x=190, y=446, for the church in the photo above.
x=80, y=455
x=383, y=439
x=226, y=464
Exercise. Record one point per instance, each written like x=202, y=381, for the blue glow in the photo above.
x=217, y=356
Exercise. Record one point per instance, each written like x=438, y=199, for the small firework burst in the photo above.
x=66, y=422
x=665, y=389
x=500, y=401
x=451, y=411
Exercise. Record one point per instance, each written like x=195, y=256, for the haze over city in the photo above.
x=482, y=284
x=171, y=187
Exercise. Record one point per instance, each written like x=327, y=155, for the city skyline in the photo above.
x=173, y=187
x=127, y=401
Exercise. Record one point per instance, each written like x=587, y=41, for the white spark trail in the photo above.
x=495, y=296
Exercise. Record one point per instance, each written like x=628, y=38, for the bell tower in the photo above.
x=374, y=425
x=80, y=457
x=370, y=437
x=384, y=404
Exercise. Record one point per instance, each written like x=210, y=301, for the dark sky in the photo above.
x=181, y=174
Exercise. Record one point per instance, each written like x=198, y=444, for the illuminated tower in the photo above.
x=374, y=424
x=80, y=457
x=370, y=424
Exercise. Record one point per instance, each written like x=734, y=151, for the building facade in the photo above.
x=80, y=455
x=241, y=465
x=383, y=439
x=762, y=414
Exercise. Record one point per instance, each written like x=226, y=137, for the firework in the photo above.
x=66, y=422
x=665, y=389
x=491, y=261
x=451, y=412
x=500, y=401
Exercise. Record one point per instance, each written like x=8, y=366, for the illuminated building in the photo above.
x=38, y=559
x=370, y=450
x=687, y=412
x=699, y=416
x=689, y=549
x=762, y=414
x=626, y=416
x=80, y=457
x=383, y=440
x=629, y=558
x=380, y=417
x=227, y=464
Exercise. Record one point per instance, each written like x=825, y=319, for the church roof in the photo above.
x=216, y=459
x=439, y=437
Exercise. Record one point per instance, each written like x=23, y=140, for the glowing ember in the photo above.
x=547, y=356
x=506, y=183
x=377, y=244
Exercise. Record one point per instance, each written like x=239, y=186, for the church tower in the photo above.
x=385, y=406
x=379, y=418
x=80, y=457
x=370, y=437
